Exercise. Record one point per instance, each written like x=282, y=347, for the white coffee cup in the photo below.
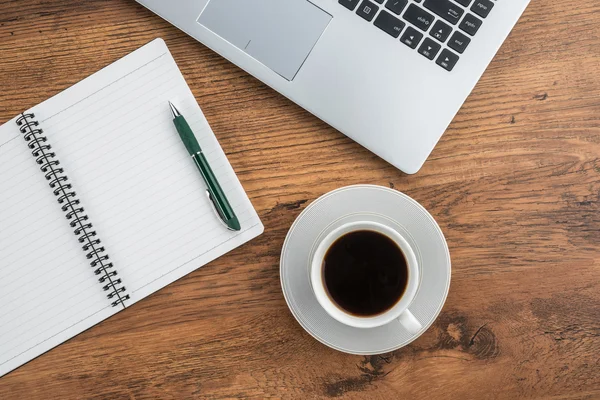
x=399, y=311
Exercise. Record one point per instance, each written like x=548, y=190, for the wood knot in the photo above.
x=454, y=334
x=483, y=344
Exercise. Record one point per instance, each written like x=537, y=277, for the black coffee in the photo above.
x=365, y=273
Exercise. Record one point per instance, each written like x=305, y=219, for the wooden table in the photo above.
x=514, y=184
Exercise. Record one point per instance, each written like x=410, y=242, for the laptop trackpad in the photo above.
x=278, y=33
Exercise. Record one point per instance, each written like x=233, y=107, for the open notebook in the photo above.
x=148, y=219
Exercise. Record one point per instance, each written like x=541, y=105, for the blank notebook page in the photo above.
x=114, y=136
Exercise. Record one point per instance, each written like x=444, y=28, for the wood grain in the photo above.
x=514, y=184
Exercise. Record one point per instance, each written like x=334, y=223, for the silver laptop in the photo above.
x=390, y=74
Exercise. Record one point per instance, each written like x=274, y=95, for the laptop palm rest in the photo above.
x=278, y=33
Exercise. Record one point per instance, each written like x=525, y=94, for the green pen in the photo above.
x=214, y=191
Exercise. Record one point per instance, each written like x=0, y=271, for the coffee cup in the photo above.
x=373, y=274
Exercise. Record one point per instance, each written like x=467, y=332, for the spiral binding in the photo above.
x=71, y=206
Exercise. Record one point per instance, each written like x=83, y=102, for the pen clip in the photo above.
x=215, y=207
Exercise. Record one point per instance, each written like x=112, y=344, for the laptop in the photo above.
x=390, y=74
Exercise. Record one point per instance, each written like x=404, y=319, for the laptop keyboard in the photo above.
x=437, y=29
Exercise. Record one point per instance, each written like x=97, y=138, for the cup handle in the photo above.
x=409, y=322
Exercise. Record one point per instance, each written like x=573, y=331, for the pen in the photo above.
x=215, y=193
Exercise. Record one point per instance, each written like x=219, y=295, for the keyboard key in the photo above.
x=447, y=60
x=349, y=4
x=389, y=24
x=440, y=31
x=429, y=48
x=411, y=37
x=464, y=2
x=379, y=1
x=367, y=10
x=445, y=9
x=459, y=42
x=470, y=24
x=396, y=6
x=418, y=17
x=482, y=7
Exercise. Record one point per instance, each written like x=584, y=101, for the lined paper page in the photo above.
x=48, y=291
x=140, y=186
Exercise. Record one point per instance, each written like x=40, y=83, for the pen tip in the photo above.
x=174, y=110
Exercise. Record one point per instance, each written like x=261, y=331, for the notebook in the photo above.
x=101, y=205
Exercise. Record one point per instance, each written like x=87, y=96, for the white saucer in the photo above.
x=374, y=203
